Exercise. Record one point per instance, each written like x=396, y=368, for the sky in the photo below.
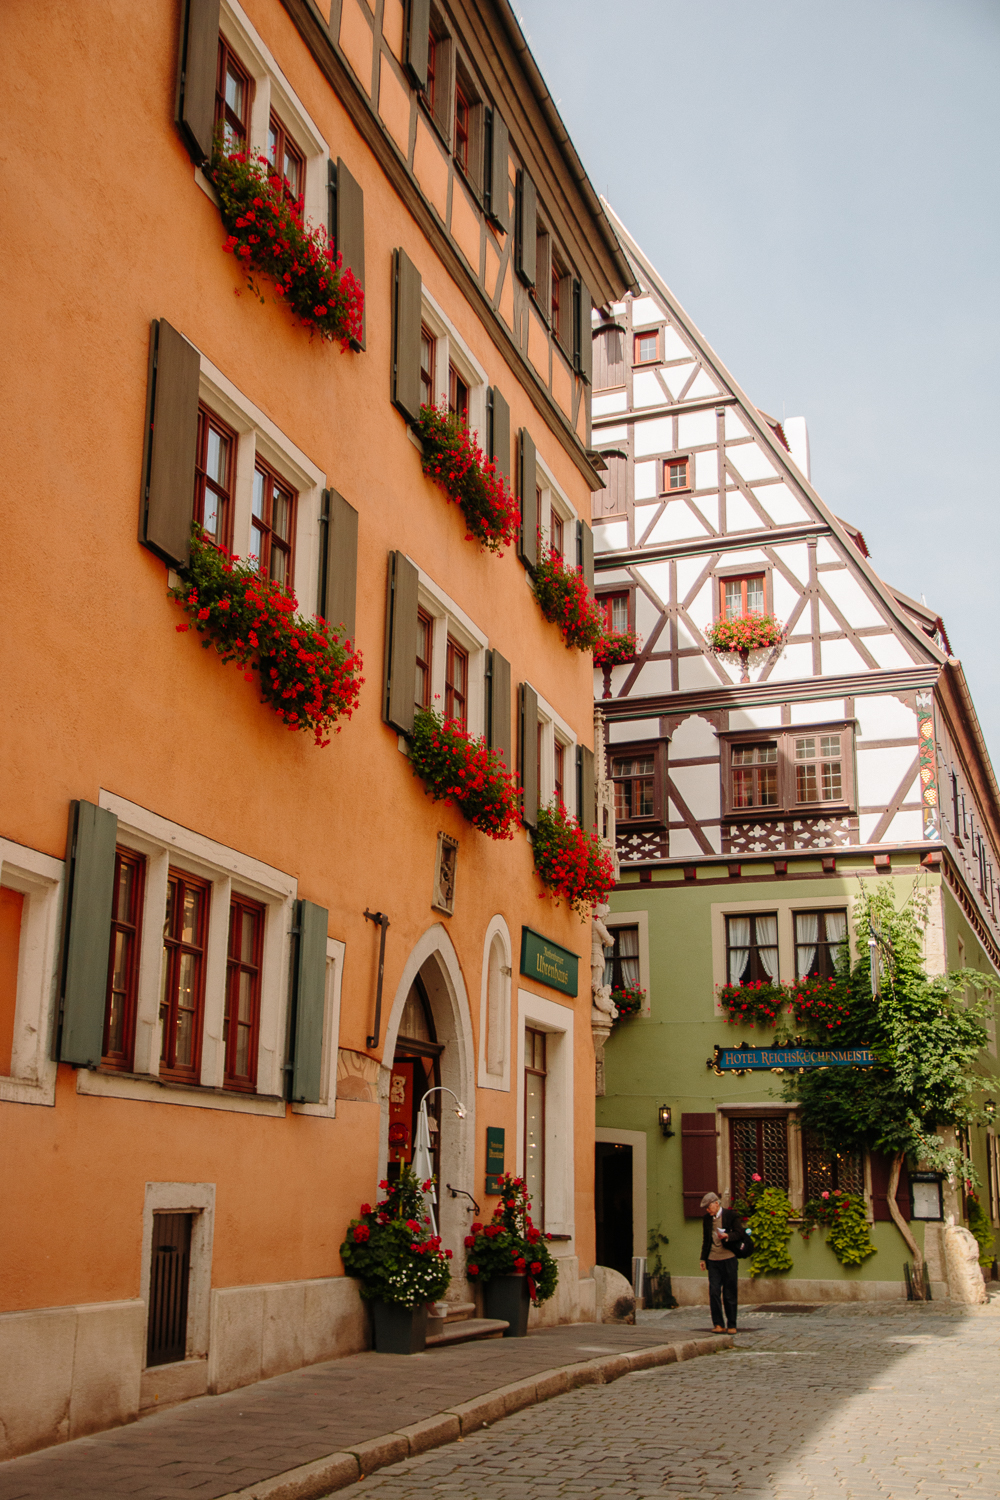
x=817, y=183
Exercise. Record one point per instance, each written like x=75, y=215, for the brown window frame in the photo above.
x=453, y=696
x=263, y=526
x=424, y=622
x=129, y=929
x=756, y=972
x=657, y=750
x=613, y=960
x=285, y=145
x=458, y=387
x=236, y=965
x=538, y=1209
x=208, y=421
x=604, y=601
x=174, y=949
x=460, y=149
x=559, y=769
x=224, y=116
x=736, y=1120
x=437, y=97
x=645, y=333
x=674, y=461
x=784, y=738
x=824, y=1169
x=743, y=579
x=557, y=532
x=428, y=342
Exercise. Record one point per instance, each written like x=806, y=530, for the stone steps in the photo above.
x=466, y=1331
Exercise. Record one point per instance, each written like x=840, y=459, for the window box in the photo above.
x=789, y=771
x=455, y=462
x=572, y=864
x=453, y=765
x=565, y=600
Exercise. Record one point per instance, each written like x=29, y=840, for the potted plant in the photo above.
x=400, y=1264
x=753, y=1004
x=511, y=1259
x=750, y=632
x=575, y=866
x=627, y=1000
x=565, y=600
x=455, y=462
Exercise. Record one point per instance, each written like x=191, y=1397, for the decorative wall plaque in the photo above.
x=444, y=874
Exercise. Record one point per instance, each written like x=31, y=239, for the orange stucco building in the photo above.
x=156, y=1076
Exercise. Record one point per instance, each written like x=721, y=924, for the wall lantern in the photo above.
x=990, y=1109
x=665, y=1118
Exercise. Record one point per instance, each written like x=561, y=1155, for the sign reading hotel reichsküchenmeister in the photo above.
x=758, y=1059
x=548, y=963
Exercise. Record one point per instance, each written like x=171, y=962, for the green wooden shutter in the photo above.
x=171, y=444
x=527, y=483
x=349, y=231
x=400, y=644
x=585, y=552
x=197, y=64
x=498, y=169
x=527, y=216
x=90, y=879
x=499, y=706
x=406, y=305
x=310, y=1003
x=585, y=340
x=500, y=433
x=587, y=810
x=528, y=753
x=418, y=30
x=338, y=602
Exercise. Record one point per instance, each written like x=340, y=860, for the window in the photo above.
x=426, y=367
x=818, y=775
x=621, y=965
x=634, y=778
x=543, y=271
x=755, y=775
x=647, y=347
x=826, y=1170
x=456, y=683
x=752, y=949
x=458, y=393
x=273, y=530
x=560, y=769
x=215, y=470
x=286, y=158
x=740, y=596
x=430, y=92
x=123, y=965
x=534, y=1122
x=183, y=978
x=677, y=474
x=557, y=533
x=560, y=300
x=758, y=1147
x=461, y=129
x=242, y=1018
x=422, y=687
x=615, y=608
x=819, y=940
x=233, y=94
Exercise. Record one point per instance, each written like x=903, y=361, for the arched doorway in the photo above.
x=429, y=1039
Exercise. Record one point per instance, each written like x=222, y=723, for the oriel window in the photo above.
x=742, y=596
x=754, y=770
x=634, y=778
x=820, y=937
x=456, y=683
x=123, y=964
x=818, y=774
x=233, y=93
x=752, y=949
x=182, y=992
x=241, y=1025
x=535, y=1073
x=215, y=466
x=273, y=530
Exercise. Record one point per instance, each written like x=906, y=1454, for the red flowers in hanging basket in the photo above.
x=269, y=237
x=628, y=1000
x=819, y=1004
x=565, y=599
x=453, y=765
x=454, y=460
x=749, y=632
x=574, y=865
x=615, y=648
x=754, y=1004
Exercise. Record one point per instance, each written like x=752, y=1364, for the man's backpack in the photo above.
x=744, y=1249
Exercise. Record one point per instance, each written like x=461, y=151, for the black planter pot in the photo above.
x=508, y=1297
x=398, y=1329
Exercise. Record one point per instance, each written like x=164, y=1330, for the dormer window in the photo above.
x=647, y=347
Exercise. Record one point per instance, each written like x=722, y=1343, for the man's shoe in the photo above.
x=717, y=1328
x=730, y=1330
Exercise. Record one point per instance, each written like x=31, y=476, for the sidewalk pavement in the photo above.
x=299, y=1436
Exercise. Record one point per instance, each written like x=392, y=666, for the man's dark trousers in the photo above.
x=723, y=1281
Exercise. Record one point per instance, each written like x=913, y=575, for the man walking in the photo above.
x=721, y=1234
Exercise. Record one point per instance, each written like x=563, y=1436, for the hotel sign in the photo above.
x=779, y=1059
x=548, y=963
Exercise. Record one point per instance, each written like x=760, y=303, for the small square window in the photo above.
x=647, y=348
x=677, y=474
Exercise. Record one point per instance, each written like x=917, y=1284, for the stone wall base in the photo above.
x=692, y=1291
x=274, y=1327
x=574, y=1300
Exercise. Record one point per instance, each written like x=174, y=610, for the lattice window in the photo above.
x=758, y=1146
x=827, y=1170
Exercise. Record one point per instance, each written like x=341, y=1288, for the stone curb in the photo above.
x=338, y=1470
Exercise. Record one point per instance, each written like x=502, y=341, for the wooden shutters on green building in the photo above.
x=498, y=705
x=197, y=62
x=497, y=170
x=406, y=315
x=526, y=228
x=310, y=1003
x=527, y=753
x=698, y=1161
x=586, y=795
x=90, y=878
x=527, y=486
x=398, y=703
x=499, y=431
x=347, y=228
x=167, y=503
x=338, y=578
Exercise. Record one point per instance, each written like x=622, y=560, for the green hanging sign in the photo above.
x=494, y=1159
x=777, y=1059
x=548, y=963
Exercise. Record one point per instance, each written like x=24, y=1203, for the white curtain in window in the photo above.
x=836, y=932
x=628, y=953
x=767, y=945
x=739, y=948
x=806, y=936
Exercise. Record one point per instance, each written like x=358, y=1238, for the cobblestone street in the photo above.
x=849, y=1402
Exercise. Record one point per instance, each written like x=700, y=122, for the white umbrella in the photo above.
x=423, y=1161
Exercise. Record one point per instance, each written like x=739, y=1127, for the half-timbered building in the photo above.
x=753, y=791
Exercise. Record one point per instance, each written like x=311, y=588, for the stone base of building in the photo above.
x=692, y=1291
x=574, y=1300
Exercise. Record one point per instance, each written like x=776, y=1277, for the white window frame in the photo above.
x=272, y=90
x=784, y=910
x=638, y=919
x=326, y=1108
x=451, y=349
x=560, y=1164
x=448, y=619
x=500, y=1081
x=554, y=727
x=165, y=844
x=39, y=879
x=256, y=433
x=554, y=498
x=198, y=1200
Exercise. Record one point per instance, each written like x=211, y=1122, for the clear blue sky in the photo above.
x=818, y=185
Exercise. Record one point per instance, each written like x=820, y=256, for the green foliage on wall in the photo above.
x=770, y=1231
x=845, y=1219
